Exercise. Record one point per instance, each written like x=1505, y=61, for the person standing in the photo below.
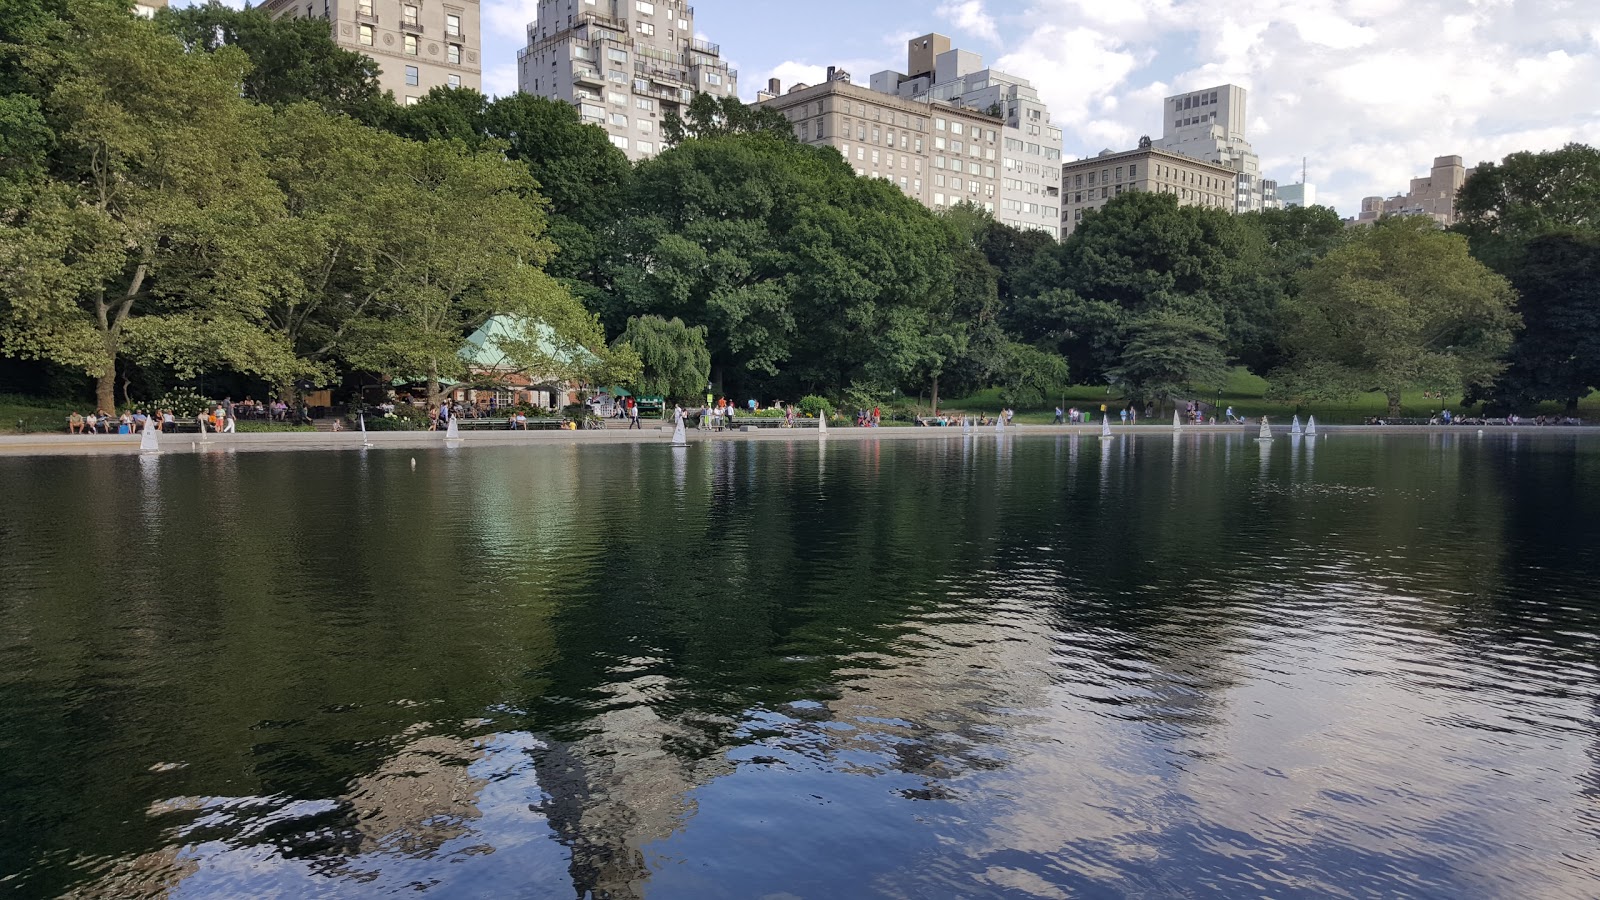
x=1060, y=417
x=1124, y=414
x=633, y=415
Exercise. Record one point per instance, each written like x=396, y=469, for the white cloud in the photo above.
x=1370, y=90
x=500, y=80
x=971, y=17
x=504, y=19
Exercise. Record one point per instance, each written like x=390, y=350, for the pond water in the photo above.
x=1031, y=667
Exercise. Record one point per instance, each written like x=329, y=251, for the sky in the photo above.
x=1367, y=91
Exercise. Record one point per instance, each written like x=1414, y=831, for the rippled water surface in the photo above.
x=1037, y=667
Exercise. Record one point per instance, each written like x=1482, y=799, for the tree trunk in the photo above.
x=935, y=395
x=1394, y=403
x=1572, y=406
x=434, y=391
x=105, y=390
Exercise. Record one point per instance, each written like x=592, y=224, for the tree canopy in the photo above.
x=1399, y=305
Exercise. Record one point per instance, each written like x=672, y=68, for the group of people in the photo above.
x=222, y=418
x=129, y=422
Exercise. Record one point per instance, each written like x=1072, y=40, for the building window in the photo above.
x=645, y=7
x=646, y=29
x=411, y=45
x=618, y=141
x=644, y=103
x=411, y=101
x=647, y=126
x=452, y=26
x=619, y=120
x=366, y=35
x=452, y=54
x=713, y=78
x=1133, y=172
x=645, y=147
x=938, y=124
x=454, y=80
x=617, y=56
x=412, y=76
x=364, y=8
x=408, y=15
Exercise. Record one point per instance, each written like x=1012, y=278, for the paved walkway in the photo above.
x=98, y=445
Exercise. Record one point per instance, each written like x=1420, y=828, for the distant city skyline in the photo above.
x=1370, y=91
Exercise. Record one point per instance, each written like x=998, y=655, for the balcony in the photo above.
x=706, y=47
x=411, y=26
x=587, y=76
x=366, y=14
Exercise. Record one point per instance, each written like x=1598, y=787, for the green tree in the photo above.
x=154, y=186
x=1557, y=355
x=1168, y=354
x=674, y=358
x=1398, y=306
x=1143, y=254
x=1535, y=218
x=806, y=277
x=707, y=116
x=292, y=60
x=1505, y=205
x=443, y=280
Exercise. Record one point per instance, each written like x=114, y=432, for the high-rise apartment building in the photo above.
x=418, y=44
x=1433, y=196
x=147, y=8
x=623, y=63
x=940, y=154
x=1210, y=125
x=1030, y=164
x=1088, y=184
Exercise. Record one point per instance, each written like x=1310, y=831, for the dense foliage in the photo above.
x=220, y=192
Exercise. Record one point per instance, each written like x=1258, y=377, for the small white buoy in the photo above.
x=1480, y=432
x=413, y=462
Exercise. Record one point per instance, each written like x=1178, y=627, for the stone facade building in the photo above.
x=1433, y=196
x=1088, y=184
x=623, y=63
x=1030, y=163
x=418, y=44
x=938, y=153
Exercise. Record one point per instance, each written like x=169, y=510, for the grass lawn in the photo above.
x=21, y=415
x=1244, y=392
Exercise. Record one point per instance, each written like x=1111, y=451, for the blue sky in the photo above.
x=1369, y=90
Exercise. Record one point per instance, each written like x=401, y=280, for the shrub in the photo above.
x=185, y=403
x=812, y=405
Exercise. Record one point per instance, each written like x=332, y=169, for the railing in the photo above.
x=706, y=47
x=414, y=27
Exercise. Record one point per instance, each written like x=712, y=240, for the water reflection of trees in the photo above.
x=636, y=619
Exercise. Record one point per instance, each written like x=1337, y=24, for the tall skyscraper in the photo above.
x=1030, y=165
x=1210, y=125
x=418, y=44
x=623, y=63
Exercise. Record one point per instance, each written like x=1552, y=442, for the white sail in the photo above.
x=966, y=425
x=1177, y=423
x=149, y=442
x=1294, y=427
x=1000, y=423
x=679, y=439
x=1311, y=427
x=822, y=424
x=1105, y=426
x=1266, y=430
x=452, y=431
